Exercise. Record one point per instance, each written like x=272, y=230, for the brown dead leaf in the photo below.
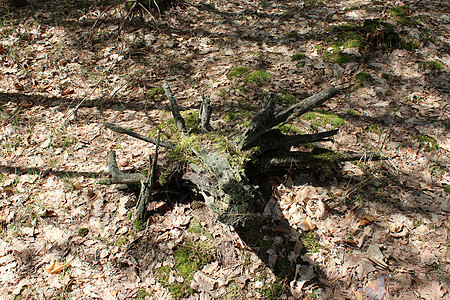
x=58, y=266
x=375, y=255
x=307, y=224
x=433, y=291
x=67, y=92
x=18, y=86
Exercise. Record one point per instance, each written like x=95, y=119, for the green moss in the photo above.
x=142, y=293
x=352, y=112
x=428, y=143
x=298, y=56
x=398, y=11
x=408, y=21
x=83, y=232
x=240, y=115
x=188, y=259
x=345, y=35
x=163, y=275
x=291, y=35
x=284, y=98
x=237, y=71
x=409, y=44
x=310, y=242
x=300, y=64
x=447, y=188
x=234, y=292
x=197, y=228
x=258, y=77
x=322, y=118
x=274, y=290
x=289, y=129
x=435, y=65
x=340, y=58
x=363, y=77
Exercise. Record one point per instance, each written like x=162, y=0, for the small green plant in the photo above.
x=300, y=64
x=258, y=77
x=362, y=77
x=237, y=71
x=139, y=225
x=122, y=241
x=129, y=215
x=156, y=93
x=428, y=143
x=435, y=65
x=311, y=243
x=373, y=128
x=68, y=141
x=83, y=232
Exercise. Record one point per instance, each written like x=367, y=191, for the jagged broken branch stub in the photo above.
x=266, y=119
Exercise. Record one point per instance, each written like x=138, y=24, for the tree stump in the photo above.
x=218, y=163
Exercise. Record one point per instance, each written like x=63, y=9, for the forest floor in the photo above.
x=382, y=231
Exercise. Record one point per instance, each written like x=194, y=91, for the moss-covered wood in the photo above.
x=218, y=163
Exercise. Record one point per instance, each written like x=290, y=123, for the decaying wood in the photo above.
x=179, y=120
x=147, y=184
x=117, y=177
x=224, y=186
x=266, y=119
x=205, y=112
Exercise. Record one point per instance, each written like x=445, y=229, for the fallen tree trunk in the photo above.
x=220, y=174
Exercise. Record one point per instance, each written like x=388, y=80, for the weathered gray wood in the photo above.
x=147, y=185
x=120, y=129
x=205, y=112
x=179, y=120
x=275, y=140
x=117, y=175
x=266, y=119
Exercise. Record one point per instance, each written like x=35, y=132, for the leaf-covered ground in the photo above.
x=366, y=230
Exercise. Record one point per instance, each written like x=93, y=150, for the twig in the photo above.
x=120, y=129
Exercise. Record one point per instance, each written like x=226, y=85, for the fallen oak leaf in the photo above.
x=58, y=266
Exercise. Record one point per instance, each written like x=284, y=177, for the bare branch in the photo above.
x=120, y=129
